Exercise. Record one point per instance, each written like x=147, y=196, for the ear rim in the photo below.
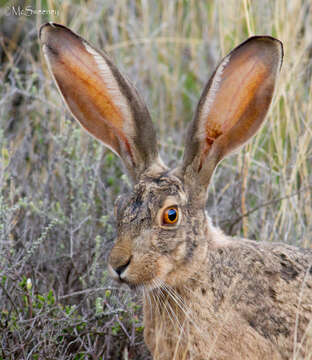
x=217, y=152
x=142, y=139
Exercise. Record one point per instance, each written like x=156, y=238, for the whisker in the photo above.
x=169, y=309
x=187, y=311
x=148, y=299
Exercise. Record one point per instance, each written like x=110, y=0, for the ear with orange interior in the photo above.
x=100, y=98
x=232, y=106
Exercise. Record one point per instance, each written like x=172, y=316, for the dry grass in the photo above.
x=57, y=186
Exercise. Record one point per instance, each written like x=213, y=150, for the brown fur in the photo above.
x=206, y=296
x=244, y=299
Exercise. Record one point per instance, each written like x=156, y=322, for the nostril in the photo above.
x=120, y=269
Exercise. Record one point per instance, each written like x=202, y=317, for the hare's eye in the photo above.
x=170, y=215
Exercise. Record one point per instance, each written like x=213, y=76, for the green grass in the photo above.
x=58, y=186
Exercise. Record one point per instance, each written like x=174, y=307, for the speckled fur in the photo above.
x=246, y=299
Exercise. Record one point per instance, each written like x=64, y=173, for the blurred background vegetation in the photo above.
x=58, y=185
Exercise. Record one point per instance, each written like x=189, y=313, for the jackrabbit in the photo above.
x=206, y=295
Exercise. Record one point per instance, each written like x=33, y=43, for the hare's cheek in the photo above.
x=179, y=252
x=164, y=267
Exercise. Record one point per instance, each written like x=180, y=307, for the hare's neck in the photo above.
x=216, y=237
x=169, y=317
x=165, y=320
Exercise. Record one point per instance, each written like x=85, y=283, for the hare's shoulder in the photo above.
x=288, y=261
x=258, y=261
x=266, y=258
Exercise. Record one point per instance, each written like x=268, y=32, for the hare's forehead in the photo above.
x=159, y=187
x=150, y=195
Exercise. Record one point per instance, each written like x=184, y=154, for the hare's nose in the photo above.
x=120, y=269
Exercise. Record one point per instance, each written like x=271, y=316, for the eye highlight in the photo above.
x=170, y=216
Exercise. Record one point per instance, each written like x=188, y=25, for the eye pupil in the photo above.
x=172, y=214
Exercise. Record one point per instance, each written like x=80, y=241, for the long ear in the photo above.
x=232, y=106
x=100, y=97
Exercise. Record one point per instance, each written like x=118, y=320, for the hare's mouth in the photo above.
x=124, y=277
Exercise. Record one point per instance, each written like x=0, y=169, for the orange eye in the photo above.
x=170, y=215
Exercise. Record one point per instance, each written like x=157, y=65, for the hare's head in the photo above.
x=162, y=231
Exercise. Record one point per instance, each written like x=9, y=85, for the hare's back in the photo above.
x=269, y=286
